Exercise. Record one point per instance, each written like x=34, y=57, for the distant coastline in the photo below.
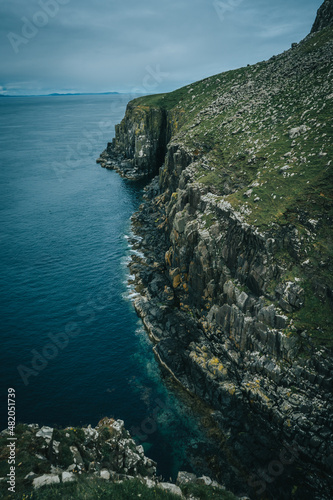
x=59, y=94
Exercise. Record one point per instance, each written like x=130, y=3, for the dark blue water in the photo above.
x=71, y=343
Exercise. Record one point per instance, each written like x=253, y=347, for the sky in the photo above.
x=139, y=46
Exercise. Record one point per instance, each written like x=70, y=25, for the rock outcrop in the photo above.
x=61, y=454
x=139, y=146
x=324, y=16
x=236, y=284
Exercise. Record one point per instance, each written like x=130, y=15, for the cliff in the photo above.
x=324, y=16
x=139, y=146
x=236, y=285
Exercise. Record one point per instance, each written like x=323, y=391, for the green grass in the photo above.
x=315, y=318
x=94, y=489
x=225, y=152
x=206, y=493
x=26, y=461
x=90, y=488
x=33, y=456
x=165, y=101
x=208, y=220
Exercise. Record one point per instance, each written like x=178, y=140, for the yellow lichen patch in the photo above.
x=229, y=387
x=168, y=256
x=214, y=361
x=216, y=367
x=256, y=392
x=184, y=307
x=176, y=281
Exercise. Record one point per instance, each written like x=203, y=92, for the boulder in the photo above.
x=76, y=456
x=55, y=446
x=171, y=488
x=105, y=474
x=45, y=479
x=204, y=480
x=90, y=434
x=46, y=433
x=67, y=477
x=118, y=426
x=149, y=482
x=297, y=131
x=186, y=477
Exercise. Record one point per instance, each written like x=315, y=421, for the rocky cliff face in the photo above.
x=236, y=284
x=139, y=147
x=324, y=16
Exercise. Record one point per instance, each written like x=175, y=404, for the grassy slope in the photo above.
x=237, y=125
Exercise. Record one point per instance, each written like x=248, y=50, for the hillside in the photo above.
x=236, y=285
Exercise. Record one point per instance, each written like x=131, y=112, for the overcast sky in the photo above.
x=139, y=45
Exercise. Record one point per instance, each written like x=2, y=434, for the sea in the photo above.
x=72, y=345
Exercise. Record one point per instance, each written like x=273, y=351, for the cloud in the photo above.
x=107, y=45
x=276, y=31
